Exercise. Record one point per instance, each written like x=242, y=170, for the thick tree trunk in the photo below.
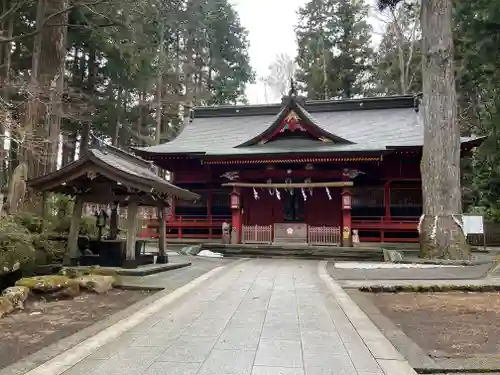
x=57, y=85
x=49, y=48
x=6, y=27
x=90, y=89
x=441, y=230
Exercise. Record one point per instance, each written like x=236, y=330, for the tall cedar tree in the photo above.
x=118, y=81
x=441, y=225
x=334, y=50
x=478, y=80
x=398, y=62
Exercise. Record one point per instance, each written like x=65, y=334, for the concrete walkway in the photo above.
x=258, y=317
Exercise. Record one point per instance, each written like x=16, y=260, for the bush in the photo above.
x=28, y=220
x=16, y=246
x=87, y=225
x=48, y=251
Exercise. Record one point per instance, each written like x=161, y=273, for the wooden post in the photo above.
x=236, y=224
x=113, y=222
x=346, y=218
x=162, y=253
x=130, y=261
x=387, y=199
x=71, y=259
x=209, y=209
x=387, y=206
x=44, y=211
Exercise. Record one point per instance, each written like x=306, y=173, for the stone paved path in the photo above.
x=260, y=317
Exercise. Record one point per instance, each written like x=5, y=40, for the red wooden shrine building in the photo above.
x=300, y=171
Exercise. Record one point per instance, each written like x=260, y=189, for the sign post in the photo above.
x=474, y=225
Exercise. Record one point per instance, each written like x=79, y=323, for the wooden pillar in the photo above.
x=387, y=207
x=72, y=257
x=236, y=223
x=162, y=254
x=346, y=218
x=113, y=221
x=387, y=199
x=209, y=209
x=130, y=261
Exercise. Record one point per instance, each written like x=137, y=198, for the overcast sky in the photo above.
x=270, y=25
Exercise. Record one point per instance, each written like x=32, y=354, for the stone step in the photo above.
x=302, y=252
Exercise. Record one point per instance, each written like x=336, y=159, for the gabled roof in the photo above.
x=359, y=125
x=115, y=165
x=304, y=122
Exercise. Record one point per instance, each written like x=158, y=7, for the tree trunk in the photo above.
x=49, y=49
x=57, y=86
x=401, y=57
x=118, y=108
x=441, y=229
x=90, y=89
x=7, y=25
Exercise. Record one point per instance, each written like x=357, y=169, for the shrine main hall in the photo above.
x=300, y=172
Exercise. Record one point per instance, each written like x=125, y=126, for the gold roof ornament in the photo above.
x=292, y=116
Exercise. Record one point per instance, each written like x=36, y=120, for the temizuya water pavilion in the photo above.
x=107, y=175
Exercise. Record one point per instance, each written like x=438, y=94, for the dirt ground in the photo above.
x=44, y=323
x=459, y=324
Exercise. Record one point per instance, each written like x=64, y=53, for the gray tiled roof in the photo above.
x=368, y=129
x=140, y=169
x=115, y=164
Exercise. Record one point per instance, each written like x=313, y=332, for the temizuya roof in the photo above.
x=115, y=165
x=354, y=125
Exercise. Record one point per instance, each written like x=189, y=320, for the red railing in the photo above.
x=199, y=219
x=398, y=223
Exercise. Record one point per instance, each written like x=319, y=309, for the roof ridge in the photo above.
x=104, y=147
x=330, y=105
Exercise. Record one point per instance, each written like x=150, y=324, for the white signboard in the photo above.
x=473, y=225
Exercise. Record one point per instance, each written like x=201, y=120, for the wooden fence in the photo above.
x=330, y=236
x=491, y=235
x=257, y=234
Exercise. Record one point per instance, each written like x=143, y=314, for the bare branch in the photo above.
x=14, y=8
x=40, y=28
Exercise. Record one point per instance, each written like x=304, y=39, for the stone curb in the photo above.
x=164, y=268
x=395, y=256
x=44, y=355
x=492, y=270
x=416, y=355
x=419, y=288
x=388, y=358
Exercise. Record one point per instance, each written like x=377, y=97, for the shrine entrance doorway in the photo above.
x=293, y=207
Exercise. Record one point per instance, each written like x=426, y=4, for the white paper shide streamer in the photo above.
x=255, y=194
x=303, y=194
x=328, y=193
x=271, y=190
x=278, y=195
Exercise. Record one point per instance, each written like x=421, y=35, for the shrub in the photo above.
x=16, y=246
x=48, y=251
x=28, y=220
x=87, y=225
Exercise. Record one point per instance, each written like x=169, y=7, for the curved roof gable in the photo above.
x=293, y=117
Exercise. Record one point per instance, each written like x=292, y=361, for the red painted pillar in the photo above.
x=387, y=199
x=346, y=218
x=209, y=210
x=236, y=222
x=387, y=206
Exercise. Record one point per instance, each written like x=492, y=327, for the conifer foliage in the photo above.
x=334, y=52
